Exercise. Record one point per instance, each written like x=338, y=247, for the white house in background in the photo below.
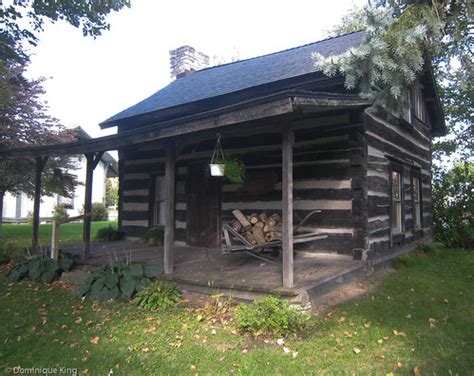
x=16, y=208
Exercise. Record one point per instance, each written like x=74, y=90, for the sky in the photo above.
x=90, y=80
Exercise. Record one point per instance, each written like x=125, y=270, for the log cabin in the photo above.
x=307, y=144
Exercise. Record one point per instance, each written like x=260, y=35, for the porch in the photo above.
x=239, y=275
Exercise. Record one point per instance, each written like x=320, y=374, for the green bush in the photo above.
x=122, y=280
x=99, y=212
x=41, y=268
x=234, y=170
x=107, y=234
x=60, y=212
x=407, y=260
x=158, y=294
x=269, y=316
x=155, y=236
x=428, y=248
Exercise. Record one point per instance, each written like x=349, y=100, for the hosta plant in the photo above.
x=120, y=281
x=41, y=268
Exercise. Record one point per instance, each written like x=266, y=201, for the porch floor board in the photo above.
x=240, y=271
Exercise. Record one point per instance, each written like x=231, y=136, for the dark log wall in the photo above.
x=329, y=171
x=406, y=147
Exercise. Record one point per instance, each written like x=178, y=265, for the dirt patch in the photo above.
x=350, y=291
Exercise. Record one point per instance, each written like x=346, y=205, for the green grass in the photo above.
x=15, y=238
x=135, y=342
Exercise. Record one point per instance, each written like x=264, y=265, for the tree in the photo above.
x=453, y=200
x=401, y=36
x=23, y=116
x=24, y=121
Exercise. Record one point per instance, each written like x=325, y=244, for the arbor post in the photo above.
x=287, y=199
x=40, y=162
x=93, y=160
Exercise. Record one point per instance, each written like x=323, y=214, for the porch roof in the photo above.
x=237, y=76
x=282, y=103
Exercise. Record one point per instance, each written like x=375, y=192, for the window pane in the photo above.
x=395, y=185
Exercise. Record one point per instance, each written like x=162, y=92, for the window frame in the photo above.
x=400, y=230
x=416, y=226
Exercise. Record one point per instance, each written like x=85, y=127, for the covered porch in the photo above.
x=239, y=275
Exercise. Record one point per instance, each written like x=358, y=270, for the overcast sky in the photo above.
x=90, y=80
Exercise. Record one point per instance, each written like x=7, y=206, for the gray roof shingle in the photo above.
x=244, y=74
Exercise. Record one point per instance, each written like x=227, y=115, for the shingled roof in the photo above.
x=240, y=75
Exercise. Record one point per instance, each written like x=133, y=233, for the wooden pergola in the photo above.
x=166, y=135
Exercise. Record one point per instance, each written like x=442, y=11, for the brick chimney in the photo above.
x=185, y=60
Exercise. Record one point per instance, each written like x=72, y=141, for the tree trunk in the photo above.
x=2, y=195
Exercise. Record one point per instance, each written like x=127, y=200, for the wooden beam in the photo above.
x=93, y=160
x=39, y=167
x=287, y=200
x=170, y=173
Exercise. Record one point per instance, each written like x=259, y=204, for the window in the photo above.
x=418, y=102
x=407, y=111
x=396, y=220
x=416, y=202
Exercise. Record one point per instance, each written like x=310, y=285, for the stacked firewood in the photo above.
x=257, y=228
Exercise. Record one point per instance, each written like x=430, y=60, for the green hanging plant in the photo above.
x=233, y=168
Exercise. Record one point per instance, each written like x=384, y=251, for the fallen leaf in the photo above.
x=193, y=367
x=367, y=324
x=356, y=350
x=295, y=354
x=341, y=319
x=380, y=341
x=94, y=340
x=379, y=356
x=286, y=350
x=432, y=322
x=280, y=341
x=245, y=351
x=78, y=320
x=408, y=316
x=417, y=371
x=445, y=300
x=398, y=365
x=89, y=323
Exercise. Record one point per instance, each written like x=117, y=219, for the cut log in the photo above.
x=242, y=219
x=258, y=235
x=253, y=219
x=276, y=217
x=259, y=224
x=263, y=217
x=236, y=225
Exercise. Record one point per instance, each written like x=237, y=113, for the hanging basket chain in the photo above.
x=218, y=150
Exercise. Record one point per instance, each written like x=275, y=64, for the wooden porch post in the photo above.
x=287, y=200
x=169, y=209
x=39, y=167
x=93, y=160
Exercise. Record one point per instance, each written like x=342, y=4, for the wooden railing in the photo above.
x=56, y=231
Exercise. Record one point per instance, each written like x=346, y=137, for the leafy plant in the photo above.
x=41, y=268
x=217, y=309
x=158, y=294
x=60, y=212
x=271, y=316
x=99, y=212
x=155, y=236
x=107, y=234
x=234, y=169
x=427, y=248
x=407, y=260
x=122, y=280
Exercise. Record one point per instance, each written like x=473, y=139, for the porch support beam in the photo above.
x=93, y=160
x=170, y=173
x=287, y=200
x=40, y=163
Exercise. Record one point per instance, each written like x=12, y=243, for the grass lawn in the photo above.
x=420, y=316
x=15, y=238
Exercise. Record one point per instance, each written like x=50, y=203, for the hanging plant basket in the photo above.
x=217, y=169
x=233, y=169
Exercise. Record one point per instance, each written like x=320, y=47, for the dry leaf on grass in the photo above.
x=94, y=340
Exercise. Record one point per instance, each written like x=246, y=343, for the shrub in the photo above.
x=122, y=280
x=99, y=212
x=155, y=236
x=60, y=212
x=271, y=316
x=107, y=234
x=234, y=170
x=427, y=248
x=158, y=294
x=41, y=268
x=407, y=260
